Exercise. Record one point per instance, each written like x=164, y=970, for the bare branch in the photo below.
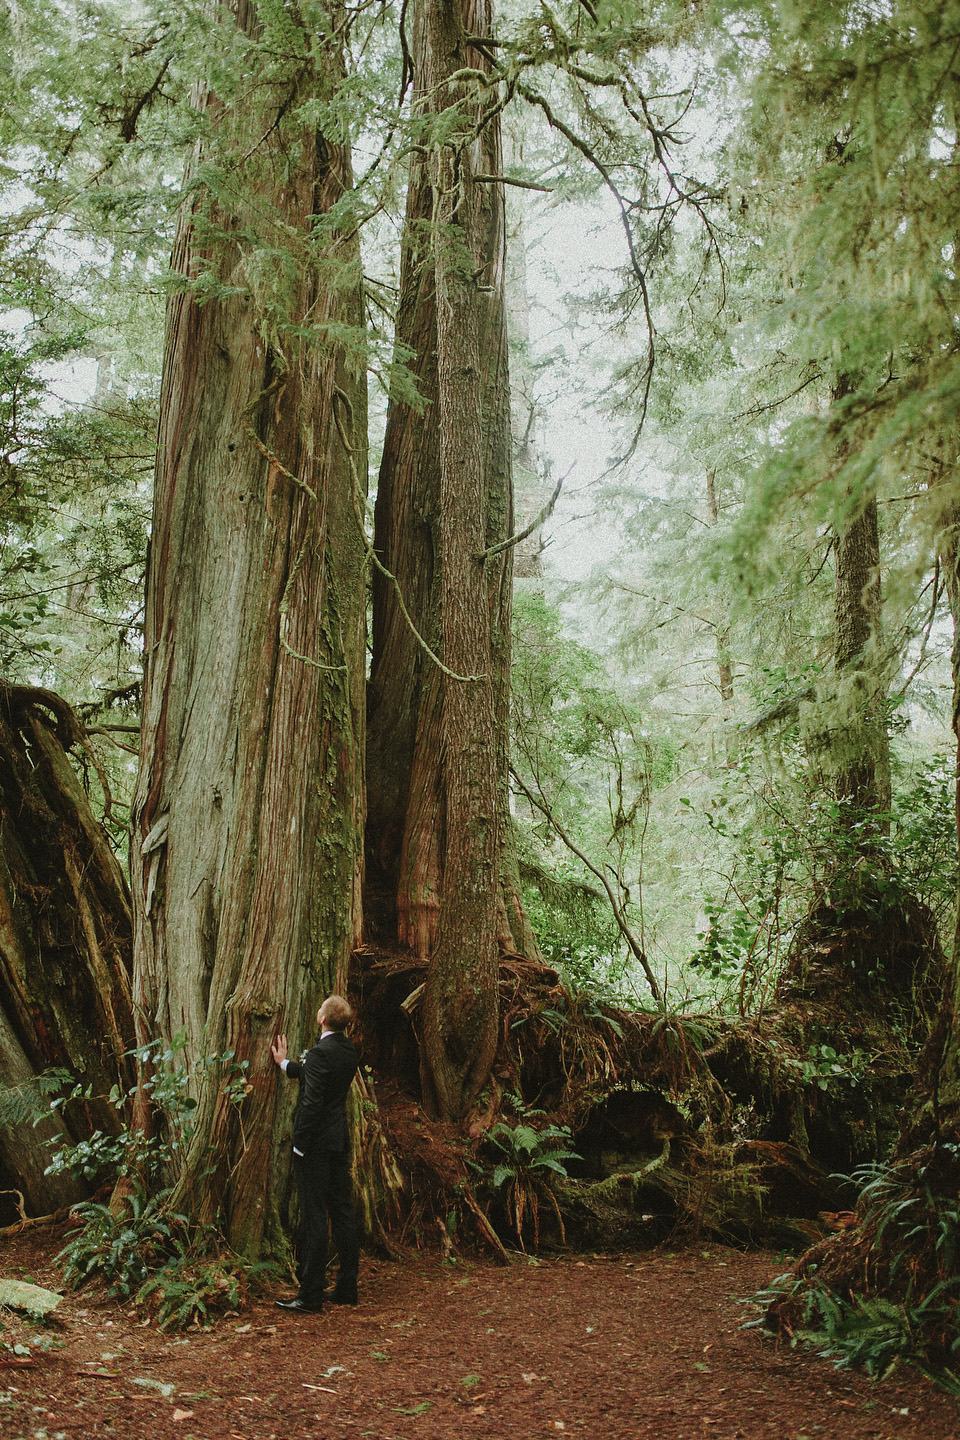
x=544, y=515
x=636, y=949
x=511, y=180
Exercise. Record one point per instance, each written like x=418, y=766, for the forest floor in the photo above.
x=602, y=1347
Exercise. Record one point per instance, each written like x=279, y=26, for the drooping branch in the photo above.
x=535, y=524
x=539, y=802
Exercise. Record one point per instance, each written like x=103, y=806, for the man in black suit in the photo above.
x=321, y=1158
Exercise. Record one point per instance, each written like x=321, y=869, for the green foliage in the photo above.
x=26, y=1103
x=142, y=1250
x=138, y=1245
x=192, y=1287
x=526, y=1150
x=584, y=770
x=100, y=1155
x=874, y=1332
x=169, y=1086
x=575, y=930
x=728, y=944
x=791, y=847
x=824, y=1067
x=74, y=513
x=172, y=1088
x=924, y=837
x=903, y=1306
x=121, y=1244
x=523, y=1156
x=850, y=133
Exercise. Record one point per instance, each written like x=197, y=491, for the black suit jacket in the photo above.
x=325, y=1074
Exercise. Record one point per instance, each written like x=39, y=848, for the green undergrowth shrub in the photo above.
x=886, y=1290
x=119, y=1244
x=143, y=1251
x=520, y=1161
x=575, y=929
x=138, y=1246
x=794, y=851
x=28, y=1102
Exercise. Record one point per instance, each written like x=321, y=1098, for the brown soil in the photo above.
x=605, y=1347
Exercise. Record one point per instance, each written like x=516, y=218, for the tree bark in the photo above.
x=863, y=774
x=722, y=631
x=939, y=1082
x=65, y=940
x=441, y=879
x=248, y=813
x=863, y=779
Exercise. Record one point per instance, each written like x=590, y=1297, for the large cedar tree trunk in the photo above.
x=442, y=881
x=248, y=815
x=864, y=775
x=863, y=769
x=65, y=942
x=938, y=1109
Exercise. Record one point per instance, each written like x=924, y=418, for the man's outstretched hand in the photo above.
x=279, y=1049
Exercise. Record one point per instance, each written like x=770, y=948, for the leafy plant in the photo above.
x=169, y=1085
x=825, y=1066
x=190, y=1287
x=727, y=944
x=120, y=1244
x=525, y=1159
x=906, y=1303
x=26, y=1103
x=138, y=1245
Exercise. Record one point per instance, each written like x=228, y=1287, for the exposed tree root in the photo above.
x=709, y=1124
x=28, y=1222
x=65, y=939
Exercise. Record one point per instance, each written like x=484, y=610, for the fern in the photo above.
x=27, y=1103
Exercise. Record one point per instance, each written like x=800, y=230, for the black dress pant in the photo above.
x=324, y=1189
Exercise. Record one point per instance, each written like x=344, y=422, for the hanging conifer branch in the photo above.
x=533, y=97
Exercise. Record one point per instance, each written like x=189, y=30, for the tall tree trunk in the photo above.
x=442, y=882
x=247, y=820
x=65, y=940
x=863, y=779
x=863, y=773
x=722, y=630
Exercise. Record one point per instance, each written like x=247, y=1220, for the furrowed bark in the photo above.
x=65, y=941
x=441, y=881
x=864, y=780
x=247, y=820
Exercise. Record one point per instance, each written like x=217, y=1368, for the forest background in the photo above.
x=721, y=239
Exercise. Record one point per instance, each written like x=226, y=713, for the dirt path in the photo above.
x=605, y=1348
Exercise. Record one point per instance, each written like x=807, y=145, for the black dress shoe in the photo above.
x=298, y=1305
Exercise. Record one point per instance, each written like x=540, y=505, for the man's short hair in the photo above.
x=337, y=1014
